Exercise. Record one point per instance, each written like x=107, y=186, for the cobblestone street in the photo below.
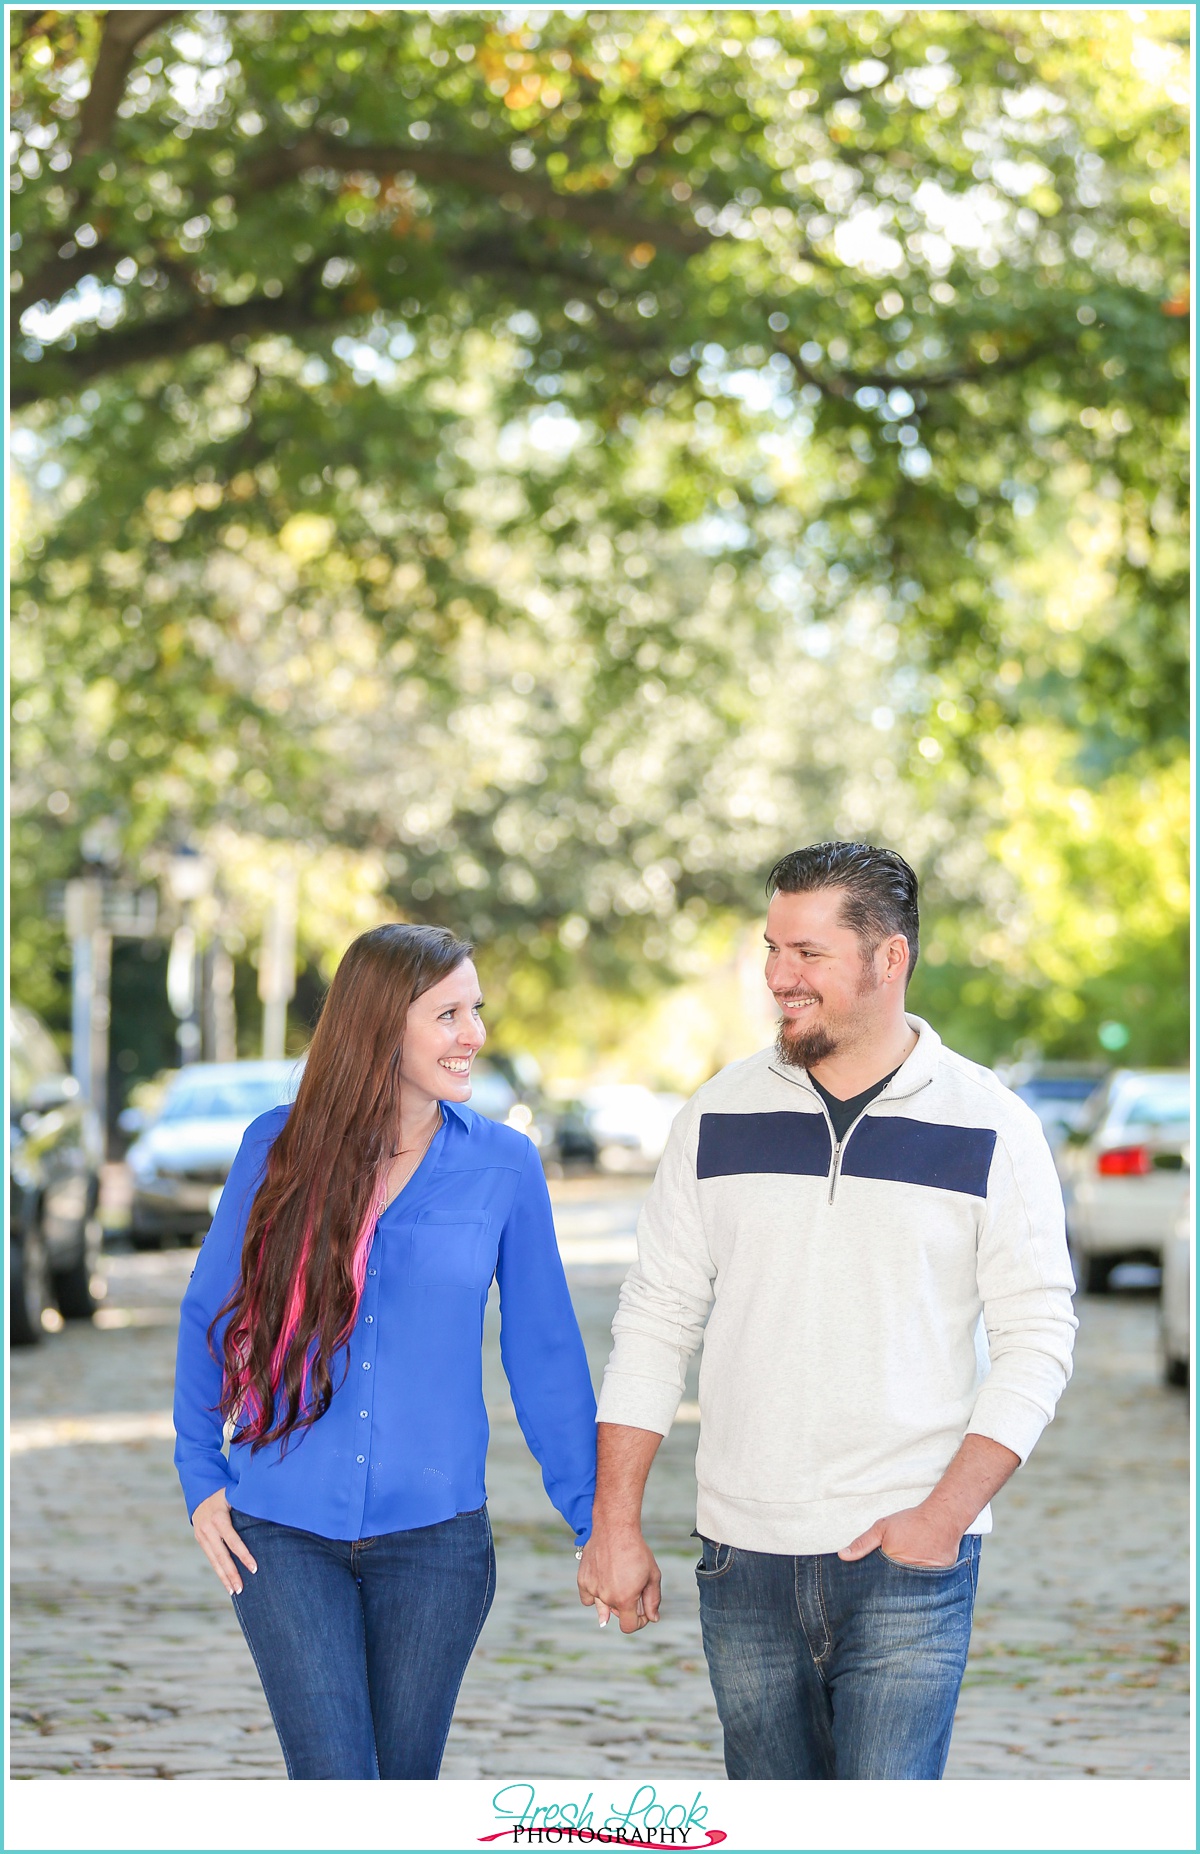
x=127, y=1660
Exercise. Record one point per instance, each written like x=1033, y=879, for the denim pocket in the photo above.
x=926, y=1570
x=716, y=1559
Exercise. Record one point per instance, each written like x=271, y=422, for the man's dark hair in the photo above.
x=880, y=895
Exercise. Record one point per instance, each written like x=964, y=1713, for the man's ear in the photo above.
x=895, y=969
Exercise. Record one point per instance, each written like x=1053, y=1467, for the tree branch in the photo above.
x=63, y=372
x=123, y=32
x=842, y=385
x=594, y=212
x=60, y=274
x=308, y=306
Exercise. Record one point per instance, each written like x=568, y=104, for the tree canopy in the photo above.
x=473, y=438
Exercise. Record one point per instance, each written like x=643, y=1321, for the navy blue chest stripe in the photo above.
x=921, y=1152
x=733, y=1144
x=888, y=1147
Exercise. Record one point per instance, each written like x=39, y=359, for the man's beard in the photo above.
x=801, y=1048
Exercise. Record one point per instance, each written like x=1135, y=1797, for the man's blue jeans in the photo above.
x=361, y=1645
x=825, y=1669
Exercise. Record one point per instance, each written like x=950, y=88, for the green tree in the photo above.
x=497, y=344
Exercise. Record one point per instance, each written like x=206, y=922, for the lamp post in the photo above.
x=97, y=907
x=220, y=1017
x=91, y=966
x=189, y=878
x=88, y=927
x=277, y=964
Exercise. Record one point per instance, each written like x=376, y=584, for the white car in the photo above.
x=628, y=1122
x=181, y=1158
x=1177, y=1303
x=1125, y=1171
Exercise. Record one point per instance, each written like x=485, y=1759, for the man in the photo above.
x=872, y=1228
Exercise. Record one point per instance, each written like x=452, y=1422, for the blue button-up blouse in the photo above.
x=404, y=1440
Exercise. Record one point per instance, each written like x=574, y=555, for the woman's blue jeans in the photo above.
x=827, y=1669
x=361, y=1645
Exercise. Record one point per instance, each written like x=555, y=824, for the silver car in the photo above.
x=1125, y=1171
x=182, y=1158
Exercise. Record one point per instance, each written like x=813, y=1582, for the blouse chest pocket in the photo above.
x=452, y=1253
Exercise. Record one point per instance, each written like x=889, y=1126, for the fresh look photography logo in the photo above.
x=645, y=1821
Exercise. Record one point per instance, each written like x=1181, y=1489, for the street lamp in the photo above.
x=189, y=879
x=91, y=959
x=277, y=963
x=96, y=907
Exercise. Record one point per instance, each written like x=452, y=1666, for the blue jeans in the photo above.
x=826, y=1669
x=361, y=1645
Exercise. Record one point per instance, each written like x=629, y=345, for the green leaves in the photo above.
x=449, y=350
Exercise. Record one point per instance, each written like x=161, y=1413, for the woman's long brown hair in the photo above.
x=304, y=1255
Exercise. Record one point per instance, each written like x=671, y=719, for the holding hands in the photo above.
x=619, y=1575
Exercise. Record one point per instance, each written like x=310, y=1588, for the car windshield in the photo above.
x=1058, y=1088
x=234, y=1099
x=1158, y=1101
x=1058, y=1101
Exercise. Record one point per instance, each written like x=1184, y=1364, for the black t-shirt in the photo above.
x=844, y=1113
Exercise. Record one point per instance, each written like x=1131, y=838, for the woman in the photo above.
x=335, y=1319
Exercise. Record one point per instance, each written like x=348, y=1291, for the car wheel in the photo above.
x=28, y=1286
x=73, y=1285
x=1096, y=1271
x=1176, y=1372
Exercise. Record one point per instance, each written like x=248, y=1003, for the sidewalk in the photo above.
x=127, y=1660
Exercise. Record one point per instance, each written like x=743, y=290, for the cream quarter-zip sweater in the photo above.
x=864, y=1306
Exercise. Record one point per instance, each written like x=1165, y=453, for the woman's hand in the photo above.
x=219, y=1542
x=621, y=1565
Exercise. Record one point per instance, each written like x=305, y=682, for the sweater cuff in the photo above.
x=1006, y=1417
x=637, y=1403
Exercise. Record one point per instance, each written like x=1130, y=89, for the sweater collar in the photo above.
x=915, y=1072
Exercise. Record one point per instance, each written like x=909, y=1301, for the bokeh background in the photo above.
x=527, y=470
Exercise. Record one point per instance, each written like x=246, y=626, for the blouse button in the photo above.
x=362, y=1458
x=362, y=1413
x=370, y=1319
x=366, y=1366
x=372, y=1271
